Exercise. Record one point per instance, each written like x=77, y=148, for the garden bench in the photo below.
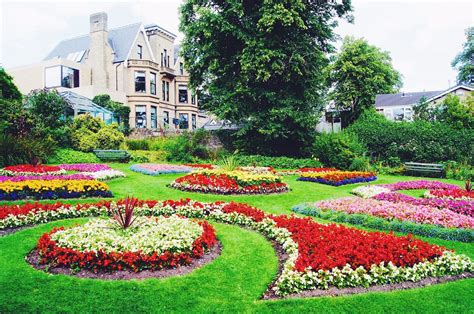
x=424, y=167
x=113, y=155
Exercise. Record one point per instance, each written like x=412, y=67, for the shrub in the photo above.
x=277, y=162
x=458, y=171
x=419, y=141
x=141, y=156
x=89, y=133
x=338, y=149
x=138, y=144
x=360, y=163
x=70, y=156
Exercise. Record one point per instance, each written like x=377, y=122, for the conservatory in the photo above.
x=82, y=105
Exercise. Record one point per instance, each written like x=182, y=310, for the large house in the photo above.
x=399, y=107
x=137, y=65
x=395, y=107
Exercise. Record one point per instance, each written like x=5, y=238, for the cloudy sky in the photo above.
x=422, y=36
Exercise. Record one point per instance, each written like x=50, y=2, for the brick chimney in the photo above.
x=99, y=53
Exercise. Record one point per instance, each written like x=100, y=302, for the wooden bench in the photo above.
x=424, y=168
x=113, y=155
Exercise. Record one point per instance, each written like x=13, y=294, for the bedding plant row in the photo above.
x=382, y=207
x=319, y=256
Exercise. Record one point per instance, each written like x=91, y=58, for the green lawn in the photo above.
x=233, y=282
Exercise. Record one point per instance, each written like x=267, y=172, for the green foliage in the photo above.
x=338, y=149
x=138, y=144
x=48, y=106
x=23, y=138
x=359, y=72
x=8, y=89
x=120, y=111
x=459, y=170
x=418, y=141
x=360, y=163
x=463, y=61
x=141, y=156
x=277, y=162
x=70, y=156
x=423, y=111
x=456, y=113
x=430, y=231
x=260, y=64
x=229, y=163
x=89, y=133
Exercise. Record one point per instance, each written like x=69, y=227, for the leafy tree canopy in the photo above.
x=48, y=106
x=358, y=73
x=8, y=89
x=259, y=63
x=457, y=113
x=464, y=61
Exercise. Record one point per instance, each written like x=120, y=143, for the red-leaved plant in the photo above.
x=468, y=185
x=124, y=217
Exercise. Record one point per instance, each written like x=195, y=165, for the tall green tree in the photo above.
x=459, y=114
x=464, y=61
x=259, y=64
x=358, y=73
x=8, y=89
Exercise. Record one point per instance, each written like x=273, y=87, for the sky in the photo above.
x=422, y=36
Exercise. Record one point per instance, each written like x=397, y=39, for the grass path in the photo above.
x=233, y=282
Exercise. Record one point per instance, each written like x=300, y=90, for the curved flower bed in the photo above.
x=231, y=182
x=319, y=256
x=420, y=185
x=30, y=170
x=416, y=213
x=154, y=244
x=451, y=194
x=157, y=169
x=337, y=178
x=464, y=207
x=48, y=177
x=201, y=166
x=85, y=167
x=53, y=189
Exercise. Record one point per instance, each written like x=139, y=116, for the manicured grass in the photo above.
x=233, y=282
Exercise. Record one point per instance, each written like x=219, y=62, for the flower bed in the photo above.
x=85, y=167
x=451, y=194
x=53, y=189
x=420, y=185
x=337, y=178
x=157, y=169
x=104, y=175
x=231, y=182
x=402, y=211
x=369, y=191
x=201, y=166
x=154, y=243
x=30, y=170
x=465, y=207
x=319, y=256
x=48, y=177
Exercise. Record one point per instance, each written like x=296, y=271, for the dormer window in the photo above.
x=140, y=52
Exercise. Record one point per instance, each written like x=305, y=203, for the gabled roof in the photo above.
x=401, y=99
x=449, y=90
x=120, y=40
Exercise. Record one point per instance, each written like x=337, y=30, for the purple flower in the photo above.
x=85, y=167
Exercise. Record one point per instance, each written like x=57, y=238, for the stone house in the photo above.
x=137, y=65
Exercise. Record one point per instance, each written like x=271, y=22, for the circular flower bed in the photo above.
x=150, y=243
x=30, y=170
x=317, y=256
x=157, y=169
x=220, y=181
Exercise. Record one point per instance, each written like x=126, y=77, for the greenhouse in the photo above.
x=82, y=105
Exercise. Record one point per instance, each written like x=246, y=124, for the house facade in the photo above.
x=399, y=107
x=137, y=65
